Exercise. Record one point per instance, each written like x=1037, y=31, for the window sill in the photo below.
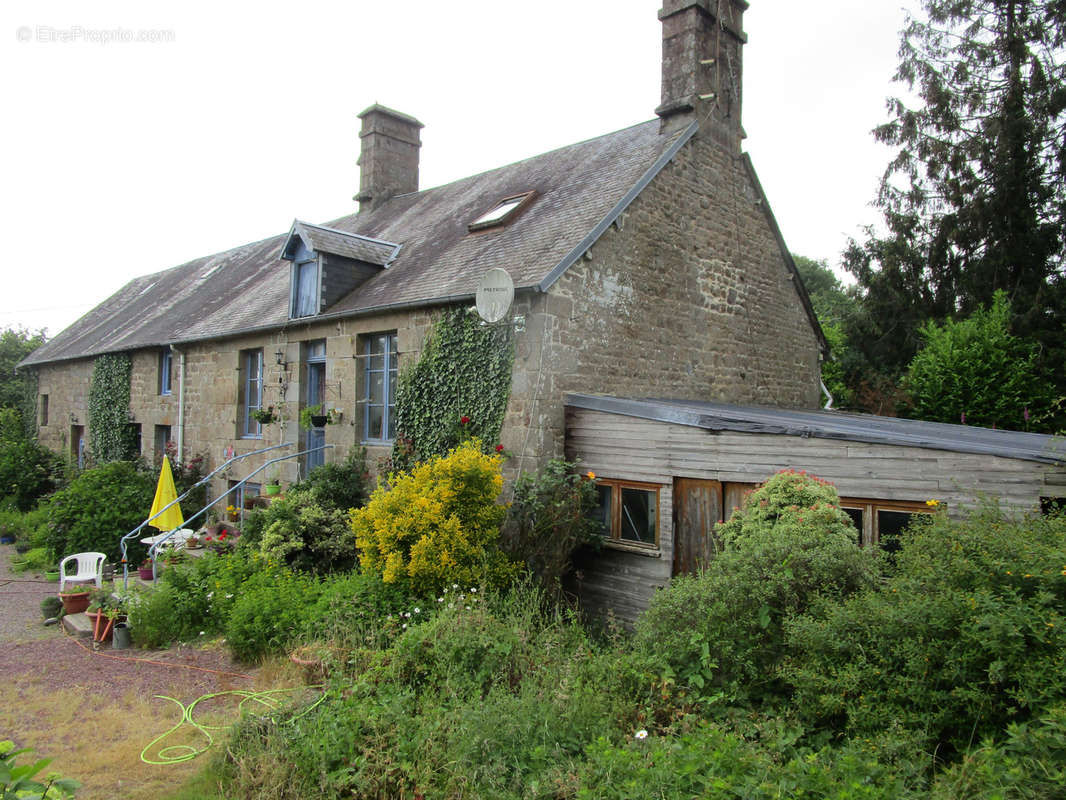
x=640, y=550
x=376, y=442
x=252, y=436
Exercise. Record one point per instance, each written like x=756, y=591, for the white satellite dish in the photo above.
x=495, y=293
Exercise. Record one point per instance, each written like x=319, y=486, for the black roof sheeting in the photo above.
x=834, y=425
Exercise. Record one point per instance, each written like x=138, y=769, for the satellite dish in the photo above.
x=495, y=293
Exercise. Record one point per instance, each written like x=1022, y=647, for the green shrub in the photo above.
x=711, y=763
x=721, y=633
x=436, y=525
x=976, y=372
x=340, y=486
x=298, y=531
x=1028, y=764
x=270, y=612
x=193, y=597
x=550, y=516
x=27, y=470
x=51, y=606
x=965, y=637
x=37, y=559
x=353, y=610
x=98, y=508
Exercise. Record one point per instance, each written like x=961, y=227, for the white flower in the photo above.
x=405, y=626
x=468, y=608
x=455, y=585
x=228, y=596
x=641, y=734
x=201, y=633
x=210, y=595
x=418, y=610
x=473, y=590
x=440, y=599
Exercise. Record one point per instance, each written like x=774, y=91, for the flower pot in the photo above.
x=74, y=603
x=52, y=576
x=101, y=625
x=7, y=539
x=144, y=573
x=318, y=420
x=272, y=489
x=121, y=639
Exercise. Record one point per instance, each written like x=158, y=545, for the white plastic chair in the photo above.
x=88, y=566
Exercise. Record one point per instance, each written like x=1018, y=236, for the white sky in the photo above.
x=125, y=158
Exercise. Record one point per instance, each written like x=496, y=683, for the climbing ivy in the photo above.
x=464, y=372
x=111, y=437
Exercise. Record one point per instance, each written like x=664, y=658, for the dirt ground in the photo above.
x=94, y=712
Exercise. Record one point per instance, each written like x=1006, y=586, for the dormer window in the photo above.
x=305, y=291
x=504, y=212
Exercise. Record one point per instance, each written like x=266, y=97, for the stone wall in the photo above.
x=689, y=296
x=211, y=385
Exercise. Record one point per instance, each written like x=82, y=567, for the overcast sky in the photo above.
x=122, y=158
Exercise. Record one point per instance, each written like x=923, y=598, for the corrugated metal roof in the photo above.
x=834, y=425
x=247, y=288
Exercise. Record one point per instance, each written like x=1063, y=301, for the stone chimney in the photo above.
x=702, y=67
x=388, y=157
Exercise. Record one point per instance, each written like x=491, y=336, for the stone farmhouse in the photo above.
x=646, y=264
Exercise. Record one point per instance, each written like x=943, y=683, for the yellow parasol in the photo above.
x=165, y=492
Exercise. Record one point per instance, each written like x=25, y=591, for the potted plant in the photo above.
x=144, y=571
x=100, y=602
x=52, y=575
x=264, y=416
x=231, y=513
x=317, y=417
x=75, y=598
x=272, y=487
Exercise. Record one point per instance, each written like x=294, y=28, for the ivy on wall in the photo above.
x=464, y=371
x=110, y=436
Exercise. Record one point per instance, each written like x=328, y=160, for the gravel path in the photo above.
x=28, y=650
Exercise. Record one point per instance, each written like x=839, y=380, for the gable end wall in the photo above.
x=690, y=297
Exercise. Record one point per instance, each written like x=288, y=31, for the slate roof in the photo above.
x=834, y=425
x=342, y=243
x=581, y=189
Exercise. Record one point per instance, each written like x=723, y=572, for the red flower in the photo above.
x=463, y=420
x=222, y=536
x=499, y=448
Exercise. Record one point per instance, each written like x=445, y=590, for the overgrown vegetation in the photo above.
x=111, y=438
x=98, y=507
x=27, y=470
x=550, y=517
x=464, y=372
x=796, y=665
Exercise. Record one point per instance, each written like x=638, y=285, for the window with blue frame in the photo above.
x=379, y=394
x=165, y=366
x=251, y=393
x=305, y=288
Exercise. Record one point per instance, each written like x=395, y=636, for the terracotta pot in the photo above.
x=74, y=603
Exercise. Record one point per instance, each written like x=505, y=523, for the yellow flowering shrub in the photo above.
x=437, y=524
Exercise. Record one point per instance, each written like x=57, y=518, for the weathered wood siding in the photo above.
x=630, y=448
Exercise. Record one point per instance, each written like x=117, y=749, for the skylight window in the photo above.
x=503, y=212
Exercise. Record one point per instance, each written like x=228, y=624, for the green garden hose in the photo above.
x=179, y=753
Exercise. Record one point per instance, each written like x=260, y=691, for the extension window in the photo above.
x=629, y=513
x=880, y=522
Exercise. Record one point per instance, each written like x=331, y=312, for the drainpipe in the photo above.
x=181, y=403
